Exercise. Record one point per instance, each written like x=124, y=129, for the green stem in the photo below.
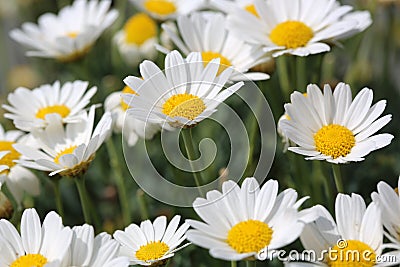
x=142, y=204
x=119, y=181
x=283, y=75
x=83, y=195
x=233, y=264
x=192, y=155
x=251, y=263
x=57, y=194
x=301, y=78
x=338, y=178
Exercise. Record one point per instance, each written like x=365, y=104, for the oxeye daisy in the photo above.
x=184, y=95
x=333, y=126
x=133, y=128
x=66, y=151
x=297, y=27
x=206, y=32
x=17, y=178
x=152, y=244
x=355, y=239
x=240, y=223
x=68, y=35
x=167, y=9
x=29, y=108
x=37, y=245
x=137, y=40
x=90, y=251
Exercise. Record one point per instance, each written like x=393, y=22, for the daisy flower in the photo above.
x=37, y=245
x=152, y=244
x=240, y=223
x=132, y=128
x=355, y=239
x=90, y=251
x=333, y=126
x=137, y=40
x=206, y=32
x=285, y=139
x=184, y=95
x=228, y=6
x=29, y=108
x=69, y=35
x=17, y=178
x=297, y=27
x=168, y=9
x=66, y=151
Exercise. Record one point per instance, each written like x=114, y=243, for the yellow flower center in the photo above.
x=72, y=35
x=62, y=110
x=9, y=158
x=252, y=9
x=291, y=34
x=183, y=105
x=139, y=28
x=354, y=254
x=249, y=236
x=160, y=7
x=126, y=90
x=30, y=260
x=66, y=151
x=152, y=251
x=334, y=140
x=207, y=56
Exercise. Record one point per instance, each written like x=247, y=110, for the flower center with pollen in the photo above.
x=334, y=140
x=207, y=56
x=9, y=158
x=66, y=151
x=152, y=251
x=183, y=105
x=291, y=34
x=72, y=35
x=353, y=254
x=252, y=9
x=30, y=260
x=126, y=90
x=249, y=236
x=139, y=28
x=160, y=7
x=62, y=110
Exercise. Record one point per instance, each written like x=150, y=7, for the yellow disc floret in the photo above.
x=72, y=35
x=63, y=152
x=207, y=56
x=249, y=236
x=334, y=140
x=140, y=28
x=62, y=110
x=184, y=105
x=126, y=90
x=160, y=7
x=9, y=158
x=30, y=260
x=291, y=34
x=354, y=254
x=152, y=251
x=252, y=9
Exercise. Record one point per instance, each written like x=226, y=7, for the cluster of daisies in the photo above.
x=220, y=42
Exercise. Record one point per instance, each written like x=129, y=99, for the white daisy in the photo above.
x=29, y=108
x=154, y=243
x=297, y=27
x=132, y=128
x=206, y=32
x=183, y=96
x=355, y=239
x=17, y=178
x=228, y=6
x=68, y=151
x=37, y=245
x=137, y=40
x=240, y=223
x=68, y=35
x=90, y=251
x=285, y=139
x=168, y=9
x=332, y=126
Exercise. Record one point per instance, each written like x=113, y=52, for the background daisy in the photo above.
x=333, y=126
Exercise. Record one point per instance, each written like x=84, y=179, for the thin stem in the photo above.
x=251, y=263
x=283, y=75
x=192, y=155
x=58, y=196
x=119, y=182
x=338, y=178
x=83, y=195
x=301, y=78
x=142, y=204
x=233, y=264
